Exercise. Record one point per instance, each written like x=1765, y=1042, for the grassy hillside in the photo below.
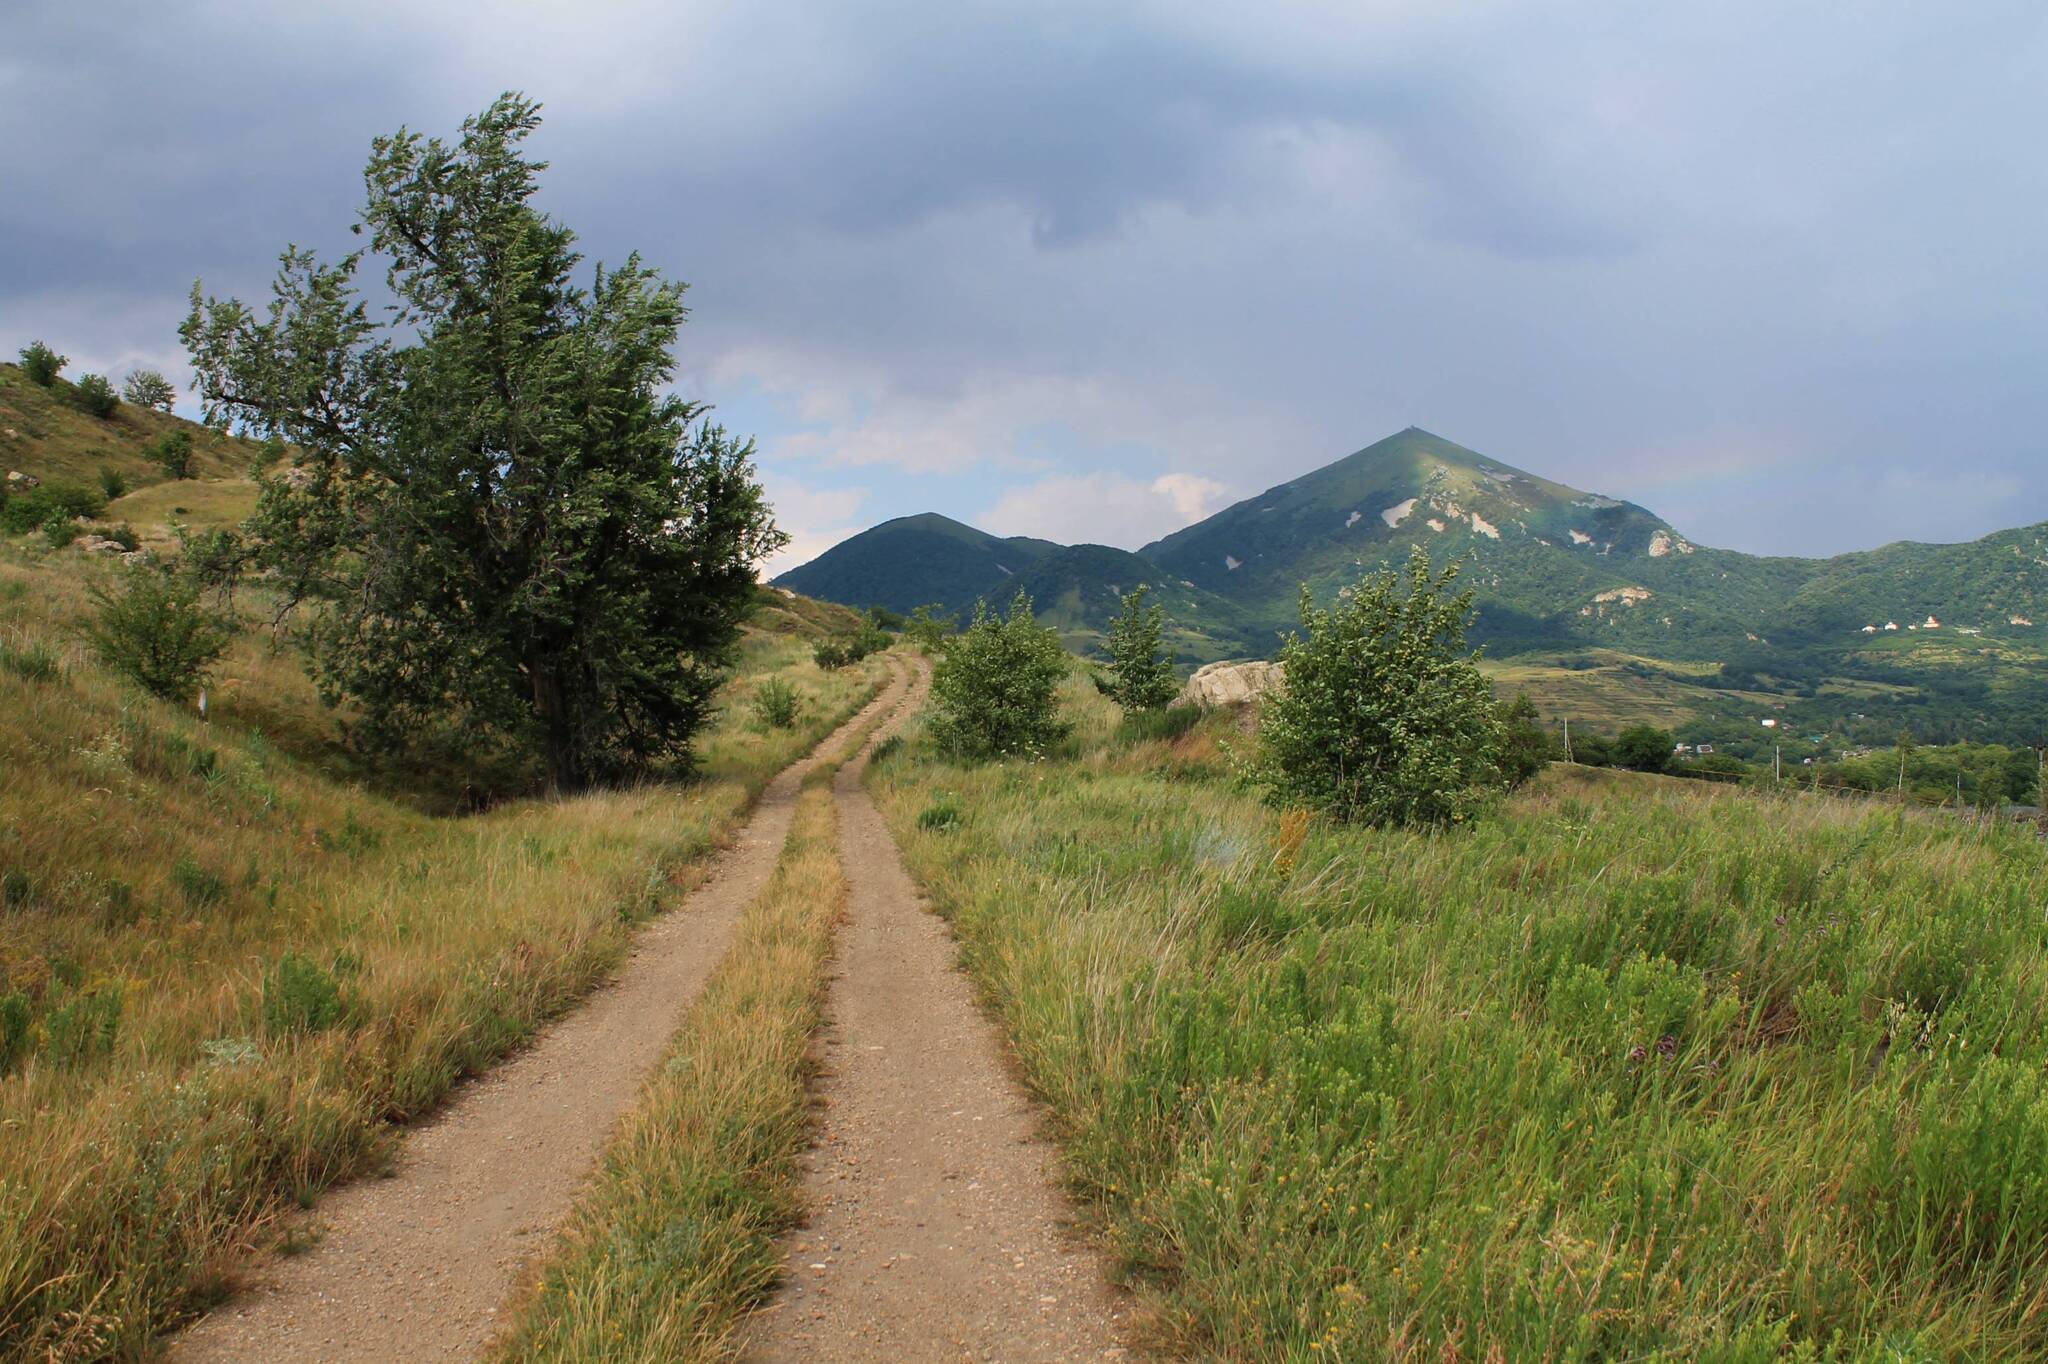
x=43, y=433
x=230, y=955
x=1637, y=1069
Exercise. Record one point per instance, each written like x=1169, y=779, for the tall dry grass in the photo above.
x=232, y=967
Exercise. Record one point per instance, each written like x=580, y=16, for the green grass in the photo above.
x=1636, y=1070
x=227, y=962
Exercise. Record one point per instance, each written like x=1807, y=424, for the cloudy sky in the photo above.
x=1779, y=272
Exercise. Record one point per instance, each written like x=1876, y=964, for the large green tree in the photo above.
x=1384, y=718
x=515, y=535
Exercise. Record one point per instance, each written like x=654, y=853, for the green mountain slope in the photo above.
x=1559, y=571
x=915, y=560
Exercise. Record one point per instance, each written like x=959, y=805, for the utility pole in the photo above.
x=1567, y=721
x=1777, y=763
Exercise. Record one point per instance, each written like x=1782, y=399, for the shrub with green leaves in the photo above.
x=83, y=1027
x=1525, y=746
x=154, y=631
x=41, y=364
x=200, y=887
x=148, y=388
x=59, y=530
x=995, y=692
x=1384, y=718
x=777, y=704
x=33, y=509
x=929, y=632
x=96, y=396
x=1643, y=748
x=300, y=996
x=15, y=1035
x=172, y=452
x=113, y=483
x=1142, y=675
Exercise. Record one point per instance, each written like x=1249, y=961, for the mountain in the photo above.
x=916, y=560
x=1557, y=570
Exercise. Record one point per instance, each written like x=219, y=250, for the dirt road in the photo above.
x=417, y=1266
x=938, y=1231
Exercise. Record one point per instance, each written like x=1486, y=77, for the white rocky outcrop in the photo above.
x=1232, y=684
x=1398, y=513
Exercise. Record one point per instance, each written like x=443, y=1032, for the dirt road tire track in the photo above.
x=418, y=1265
x=938, y=1230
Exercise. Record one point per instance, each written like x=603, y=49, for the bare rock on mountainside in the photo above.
x=1232, y=684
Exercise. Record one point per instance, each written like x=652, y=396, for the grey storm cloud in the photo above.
x=1775, y=271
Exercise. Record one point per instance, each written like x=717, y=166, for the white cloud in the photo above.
x=1108, y=509
x=815, y=519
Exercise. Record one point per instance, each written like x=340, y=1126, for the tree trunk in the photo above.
x=565, y=767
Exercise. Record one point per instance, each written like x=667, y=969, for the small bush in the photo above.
x=172, y=453
x=994, y=693
x=96, y=396
x=147, y=388
x=155, y=632
x=60, y=530
x=84, y=1027
x=30, y=510
x=30, y=662
x=941, y=814
x=300, y=996
x=17, y=888
x=1525, y=747
x=200, y=887
x=1143, y=676
x=777, y=704
x=14, y=1030
x=41, y=364
x=113, y=483
x=829, y=655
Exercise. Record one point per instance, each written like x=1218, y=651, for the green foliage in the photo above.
x=85, y=1026
x=1643, y=748
x=777, y=704
x=200, y=888
x=33, y=509
x=113, y=483
x=153, y=630
x=525, y=546
x=943, y=813
x=1525, y=746
x=993, y=693
x=839, y=653
x=929, y=632
x=59, y=530
x=1384, y=719
x=1143, y=677
x=149, y=389
x=17, y=888
x=1736, y=1078
x=30, y=662
x=172, y=453
x=96, y=396
x=301, y=996
x=15, y=1035
x=41, y=364
x=1161, y=724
